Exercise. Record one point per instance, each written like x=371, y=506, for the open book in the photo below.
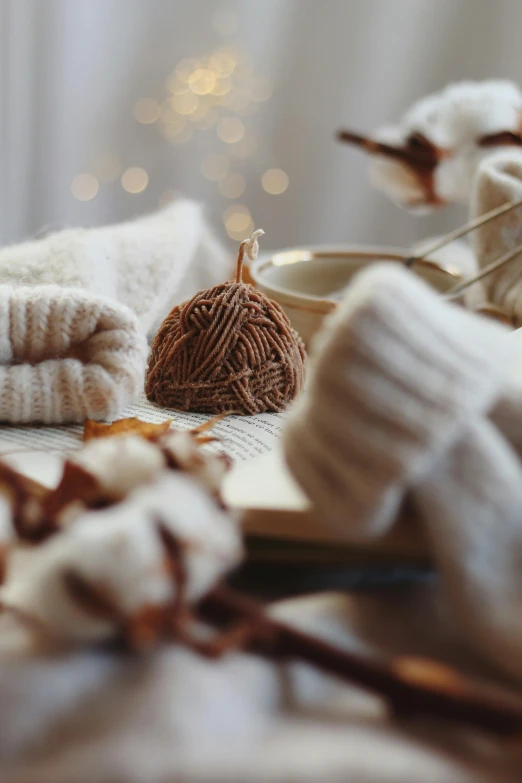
x=278, y=520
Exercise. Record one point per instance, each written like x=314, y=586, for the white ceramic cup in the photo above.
x=307, y=282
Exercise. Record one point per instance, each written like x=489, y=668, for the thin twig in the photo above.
x=240, y=260
x=412, y=157
x=466, y=703
x=457, y=290
x=463, y=230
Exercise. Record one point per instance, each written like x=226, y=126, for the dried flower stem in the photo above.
x=417, y=158
x=463, y=230
x=466, y=704
x=457, y=290
x=240, y=261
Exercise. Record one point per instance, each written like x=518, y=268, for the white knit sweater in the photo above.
x=411, y=397
x=76, y=307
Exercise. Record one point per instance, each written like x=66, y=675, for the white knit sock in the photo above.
x=470, y=503
x=499, y=180
x=395, y=375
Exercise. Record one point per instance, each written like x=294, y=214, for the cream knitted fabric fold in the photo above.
x=499, y=180
x=66, y=355
x=148, y=264
x=76, y=307
x=396, y=373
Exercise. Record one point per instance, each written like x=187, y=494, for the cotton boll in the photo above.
x=459, y=124
x=119, y=553
x=463, y=112
x=211, y=539
x=116, y=551
x=121, y=463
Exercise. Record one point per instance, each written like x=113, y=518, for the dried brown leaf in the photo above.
x=95, y=429
x=210, y=424
x=201, y=440
x=133, y=426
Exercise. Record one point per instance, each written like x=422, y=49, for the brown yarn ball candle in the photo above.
x=229, y=348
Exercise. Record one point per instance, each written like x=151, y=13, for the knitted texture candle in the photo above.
x=229, y=348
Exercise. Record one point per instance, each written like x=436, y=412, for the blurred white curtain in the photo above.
x=72, y=70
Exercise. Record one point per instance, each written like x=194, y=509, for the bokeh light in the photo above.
x=216, y=90
x=186, y=103
x=275, y=181
x=84, y=187
x=238, y=221
x=202, y=81
x=134, y=179
x=230, y=129
x=233, y=185
x=223, y=61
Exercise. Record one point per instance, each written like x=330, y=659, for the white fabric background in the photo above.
x=71, y=71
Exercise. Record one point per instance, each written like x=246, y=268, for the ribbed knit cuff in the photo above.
x=395, y=373
x=499, y=181
x=67, y=355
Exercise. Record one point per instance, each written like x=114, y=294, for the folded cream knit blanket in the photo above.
x=76, y=309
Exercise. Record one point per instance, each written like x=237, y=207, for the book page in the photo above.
x=264, y=483
x=240, y=437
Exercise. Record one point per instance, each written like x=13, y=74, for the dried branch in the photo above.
x=450, y=698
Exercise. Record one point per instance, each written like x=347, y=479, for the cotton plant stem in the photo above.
x=463, y=230
x=464, y=703
x=458, y=289
x=415, y=158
